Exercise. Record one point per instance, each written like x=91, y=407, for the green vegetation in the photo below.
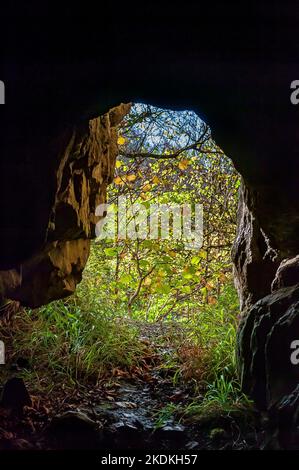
x=168, y=158
x=75, y=341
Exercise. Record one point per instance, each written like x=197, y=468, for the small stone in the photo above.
x=122, y=427
x=173, y=428
x=217, y=434
x=171, y=431
x=15, y=395
x=192, y=445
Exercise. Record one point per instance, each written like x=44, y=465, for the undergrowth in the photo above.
x=81, y=340
x=72, y=341
x=203, y=355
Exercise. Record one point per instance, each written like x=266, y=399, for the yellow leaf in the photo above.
x=156, y=180
x=143, y=196
x=131, y=177
x=146, y=187
x=121, y=140
x=161, y=274
x=209, y=285
x=183, y=164
x=172, y=253
x=118, y=180
x=147, y=281
x=118, y=164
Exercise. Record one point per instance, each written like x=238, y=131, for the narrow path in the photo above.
x=135, y=410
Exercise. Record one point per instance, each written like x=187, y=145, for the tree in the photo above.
x=170, y=157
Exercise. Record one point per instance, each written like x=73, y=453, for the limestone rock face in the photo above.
x=266, y=271
x=267, y=356
x=53, y=273
x=265, y=338
x=287, y=274
x=266, y=237
x=255, y=261
x=85, y=166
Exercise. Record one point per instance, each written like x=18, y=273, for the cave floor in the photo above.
x=139, y=409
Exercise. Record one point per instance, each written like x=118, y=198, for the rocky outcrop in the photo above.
x=84, y=169
x=267, y=361
x=51, y=274
x=267, y=278
x=255, y=261
x=287, y=274
x=265, y=338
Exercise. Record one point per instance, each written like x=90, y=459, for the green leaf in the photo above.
x=186, y=289
x=125, y=279
x=110, y=251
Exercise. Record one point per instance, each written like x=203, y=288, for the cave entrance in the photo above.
x=147, y=342
x=176, y=297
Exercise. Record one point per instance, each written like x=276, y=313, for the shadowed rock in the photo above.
x=73, y=429
x=15, y=395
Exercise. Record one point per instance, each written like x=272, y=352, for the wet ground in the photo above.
x=130, y=411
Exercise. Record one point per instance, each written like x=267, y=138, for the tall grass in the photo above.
x=85, y=338
x=75, y=340
x=204, y=356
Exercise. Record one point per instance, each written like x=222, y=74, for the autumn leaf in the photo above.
x=121, y=140
x=131, y=177
x=172, y=253
x=118, y=180
x=210, y=285
x=183, y=164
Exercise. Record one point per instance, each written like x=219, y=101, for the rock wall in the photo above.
x=268, y=373
x=267, y=278
x=255, y=260
x=85, y=166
